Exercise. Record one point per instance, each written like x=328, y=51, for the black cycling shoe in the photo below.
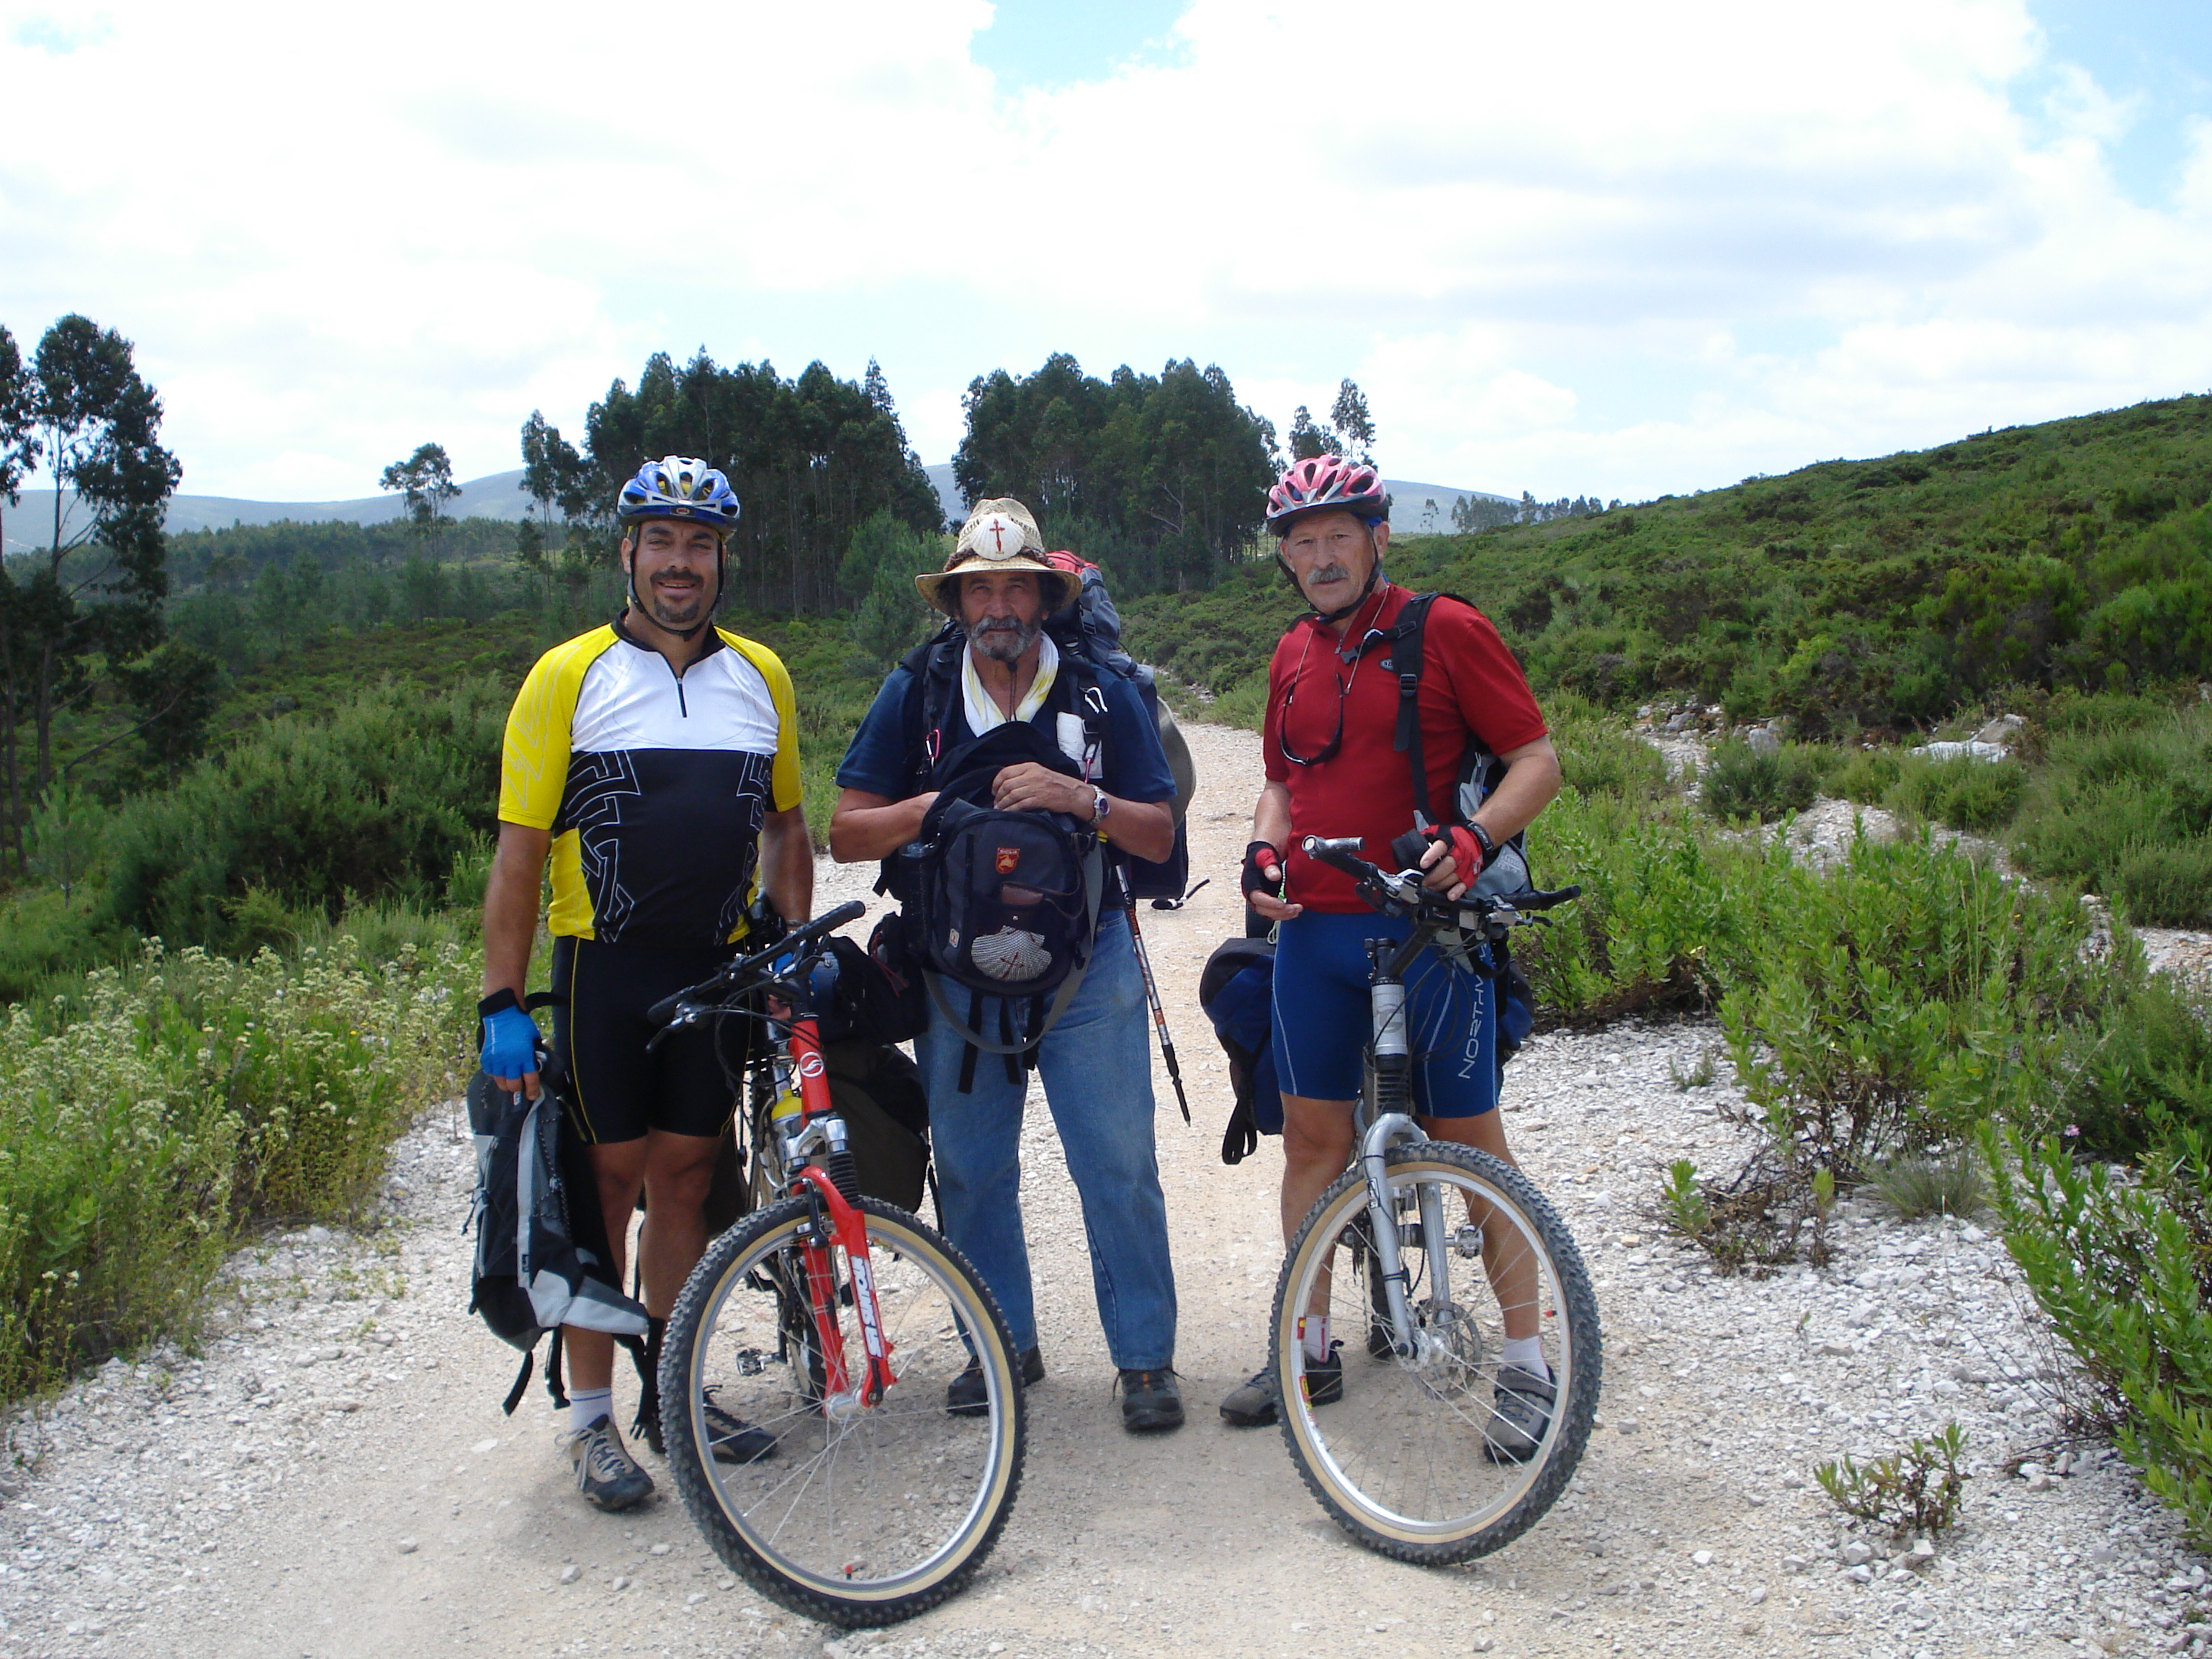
x=965, y=1395
x=1324, y=1378
x=1150, y=1403
x=732, y=1439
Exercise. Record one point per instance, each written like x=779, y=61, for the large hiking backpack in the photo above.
x=999, y=904
x=1092, y=616
x=541, y=1257
x=1087, y=633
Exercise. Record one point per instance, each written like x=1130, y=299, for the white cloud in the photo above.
x=1595, y=243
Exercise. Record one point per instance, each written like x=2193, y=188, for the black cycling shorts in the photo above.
x=617, y=1091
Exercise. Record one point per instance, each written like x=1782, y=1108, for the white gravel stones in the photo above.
x=172, y=1501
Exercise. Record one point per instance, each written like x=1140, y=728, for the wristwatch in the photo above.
x=1100, y=805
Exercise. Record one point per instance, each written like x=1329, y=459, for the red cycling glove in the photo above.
x=1472, y=850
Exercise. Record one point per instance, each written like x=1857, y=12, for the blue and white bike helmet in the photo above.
x=679, y=487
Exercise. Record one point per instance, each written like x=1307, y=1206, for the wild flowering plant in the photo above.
x=146, y=1118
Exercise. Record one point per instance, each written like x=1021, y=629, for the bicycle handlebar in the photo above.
x=1405, y=889
x=743, y=972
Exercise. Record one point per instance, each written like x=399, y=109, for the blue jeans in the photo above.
x=1097, y=1065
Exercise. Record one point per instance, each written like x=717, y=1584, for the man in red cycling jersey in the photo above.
x=1333, y=769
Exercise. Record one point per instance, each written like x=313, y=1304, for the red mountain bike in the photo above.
x=834, y=1322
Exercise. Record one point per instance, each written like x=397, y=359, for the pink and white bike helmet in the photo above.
x=1325, y=482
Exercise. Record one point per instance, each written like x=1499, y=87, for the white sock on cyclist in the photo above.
x=1527, y=1353
x=1313, y=1332
x=587, y=1405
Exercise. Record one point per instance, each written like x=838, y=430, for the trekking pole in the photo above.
x=1152, y=992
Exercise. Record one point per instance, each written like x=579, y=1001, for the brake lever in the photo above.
x=686, y=1014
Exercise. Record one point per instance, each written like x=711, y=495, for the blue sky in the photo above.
x=1591, y=246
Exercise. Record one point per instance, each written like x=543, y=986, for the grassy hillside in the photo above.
x=1878, y=595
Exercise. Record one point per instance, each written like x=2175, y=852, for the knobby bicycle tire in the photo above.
x=1405, y=1454
x=878, y=1514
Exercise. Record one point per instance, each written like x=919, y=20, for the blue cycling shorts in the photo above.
x=1323, y=1022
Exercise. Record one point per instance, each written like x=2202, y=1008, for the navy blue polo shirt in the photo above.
x=1133, y=766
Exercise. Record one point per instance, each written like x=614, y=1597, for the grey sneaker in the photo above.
x=732, y=1439
x=1523, y=1414
x=606, y=1473
x=1252, y=1404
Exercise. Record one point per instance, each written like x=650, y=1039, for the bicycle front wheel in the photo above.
x=857, y=1514
x=1429, y=1458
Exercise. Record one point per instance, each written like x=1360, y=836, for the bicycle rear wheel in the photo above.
x=861, y=1516
x=1413, y=1459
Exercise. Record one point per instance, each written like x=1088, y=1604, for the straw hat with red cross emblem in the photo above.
x=999, y=535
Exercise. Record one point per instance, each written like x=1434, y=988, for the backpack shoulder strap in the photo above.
x=934, y=665
x=1088, y=699
x=1405, y=642
x=1407, y=638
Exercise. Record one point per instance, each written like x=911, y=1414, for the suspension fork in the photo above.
x=1392, y=1125
x=825, y=1175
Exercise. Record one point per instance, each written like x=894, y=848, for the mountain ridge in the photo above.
x=28, y=526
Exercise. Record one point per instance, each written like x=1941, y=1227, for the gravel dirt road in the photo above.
x=331, y=1474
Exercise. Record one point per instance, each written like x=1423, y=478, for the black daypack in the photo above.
x=999, y=904
x=541, y=1257
x=873, y=994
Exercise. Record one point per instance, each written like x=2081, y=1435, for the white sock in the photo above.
x=1313, y=1332
x=587, y=1405
x=1527, y=1353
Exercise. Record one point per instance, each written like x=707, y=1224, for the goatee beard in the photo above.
x=1006, y=641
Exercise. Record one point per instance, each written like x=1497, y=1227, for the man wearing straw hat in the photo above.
x=1094, y=1060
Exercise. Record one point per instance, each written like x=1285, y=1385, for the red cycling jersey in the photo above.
x=1470, y=682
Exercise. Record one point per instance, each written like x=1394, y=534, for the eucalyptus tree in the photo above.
x=425, y=481
x=95, y=589
x=1164, y=477
x=810, y=459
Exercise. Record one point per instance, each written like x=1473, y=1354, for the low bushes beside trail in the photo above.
x=151, y=1118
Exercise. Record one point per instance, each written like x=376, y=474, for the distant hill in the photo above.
x=1408, y=501
x=499, y=495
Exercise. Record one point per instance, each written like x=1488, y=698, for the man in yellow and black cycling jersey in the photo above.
x=655, y=761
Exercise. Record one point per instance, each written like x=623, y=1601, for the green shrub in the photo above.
x=1653, y=915
x=2144, y=1057
x=303, y=814
x=2166, y=886
x=1244, y=703
x=48, y=940
x=1599, y=756
x=1963, y=792
x=2070, y=712
x=148, y=1116
x=2121, y=1272
x=2125, y=811
x=1866, y=775
x=1900, y=1001
x=1741, y=782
